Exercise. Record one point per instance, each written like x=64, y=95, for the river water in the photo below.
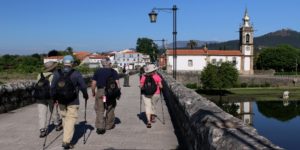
x=279, y=121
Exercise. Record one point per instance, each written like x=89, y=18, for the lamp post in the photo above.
x=153, y=16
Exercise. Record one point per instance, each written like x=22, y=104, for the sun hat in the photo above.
x=150, y=68
x=68, y=60
x=50, y=65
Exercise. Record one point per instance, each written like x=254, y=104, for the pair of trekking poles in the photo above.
x=84, y=139
x=162, y=106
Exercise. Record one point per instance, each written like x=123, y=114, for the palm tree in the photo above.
x=192, y=44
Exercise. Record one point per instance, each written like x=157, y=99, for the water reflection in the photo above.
x=280, y=110
x=241, y=110
x=277, y=120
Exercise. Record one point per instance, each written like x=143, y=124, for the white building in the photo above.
x=197, y=59
x=94, y=61
x=130, y=59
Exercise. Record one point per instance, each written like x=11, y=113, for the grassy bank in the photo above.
x=250, y=94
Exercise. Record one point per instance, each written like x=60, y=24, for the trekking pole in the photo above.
x=106, y=111
x=162, y=106
x=85, y=104
x=140, y=103
x=48, y=126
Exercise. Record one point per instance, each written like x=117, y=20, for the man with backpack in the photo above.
x=150, y=83
x=44, y=101
x=65, y=88
x=106, y=80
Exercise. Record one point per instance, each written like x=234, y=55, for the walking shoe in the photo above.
x=100, y=131
x=67, y=145
x=58, y=127
x=148, y=125
x=43, y=133
x=152, y=118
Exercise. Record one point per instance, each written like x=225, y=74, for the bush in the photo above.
x=192, y=85
x=243, y=85
x=84, y=69
x=266, y=85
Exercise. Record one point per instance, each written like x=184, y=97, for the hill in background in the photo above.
x=283, y=36
x=272, y=39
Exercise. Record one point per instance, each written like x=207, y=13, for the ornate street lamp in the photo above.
x=153, y=17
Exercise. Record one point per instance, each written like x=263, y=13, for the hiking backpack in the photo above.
x=65, y=91
x=111, y=88
x=150, y=86
x=42, y=87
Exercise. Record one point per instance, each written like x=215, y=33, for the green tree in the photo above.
x=228, y=75
x=209, y=77
x=280, y=58
x=147, y=46
x=191, y=44
x=53, y=53
x=223, y=76
x=69, y=50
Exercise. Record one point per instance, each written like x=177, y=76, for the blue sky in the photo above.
x=37, y=26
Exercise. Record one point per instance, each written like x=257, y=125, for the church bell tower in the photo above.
x=246, y=45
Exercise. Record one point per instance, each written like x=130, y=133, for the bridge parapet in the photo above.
x=203, y=125
x=16, y=94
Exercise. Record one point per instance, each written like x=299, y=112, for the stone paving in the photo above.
x=19, y=128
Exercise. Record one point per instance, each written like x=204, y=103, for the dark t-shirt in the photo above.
x=102, y=74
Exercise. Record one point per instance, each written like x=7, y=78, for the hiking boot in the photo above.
x=152, y=119
x=112, y=127
x=43, y=133
x=58, y=127
x=100, y=131
x=67, y=145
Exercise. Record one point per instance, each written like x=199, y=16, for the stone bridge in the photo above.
x=191, y=122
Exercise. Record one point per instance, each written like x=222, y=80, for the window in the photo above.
x=220, y=62
x=247, y=38
x=213, y=61
x=190, y=63
x=234, y=60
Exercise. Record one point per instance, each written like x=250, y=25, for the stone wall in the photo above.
x=274, y=81
x=18, y=94
x=203, y=125
x=15, y=95
x=188, y=77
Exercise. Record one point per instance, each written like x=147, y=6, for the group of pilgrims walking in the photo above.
x=57, y=94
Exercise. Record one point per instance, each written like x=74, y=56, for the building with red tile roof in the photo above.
x=197, y=59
